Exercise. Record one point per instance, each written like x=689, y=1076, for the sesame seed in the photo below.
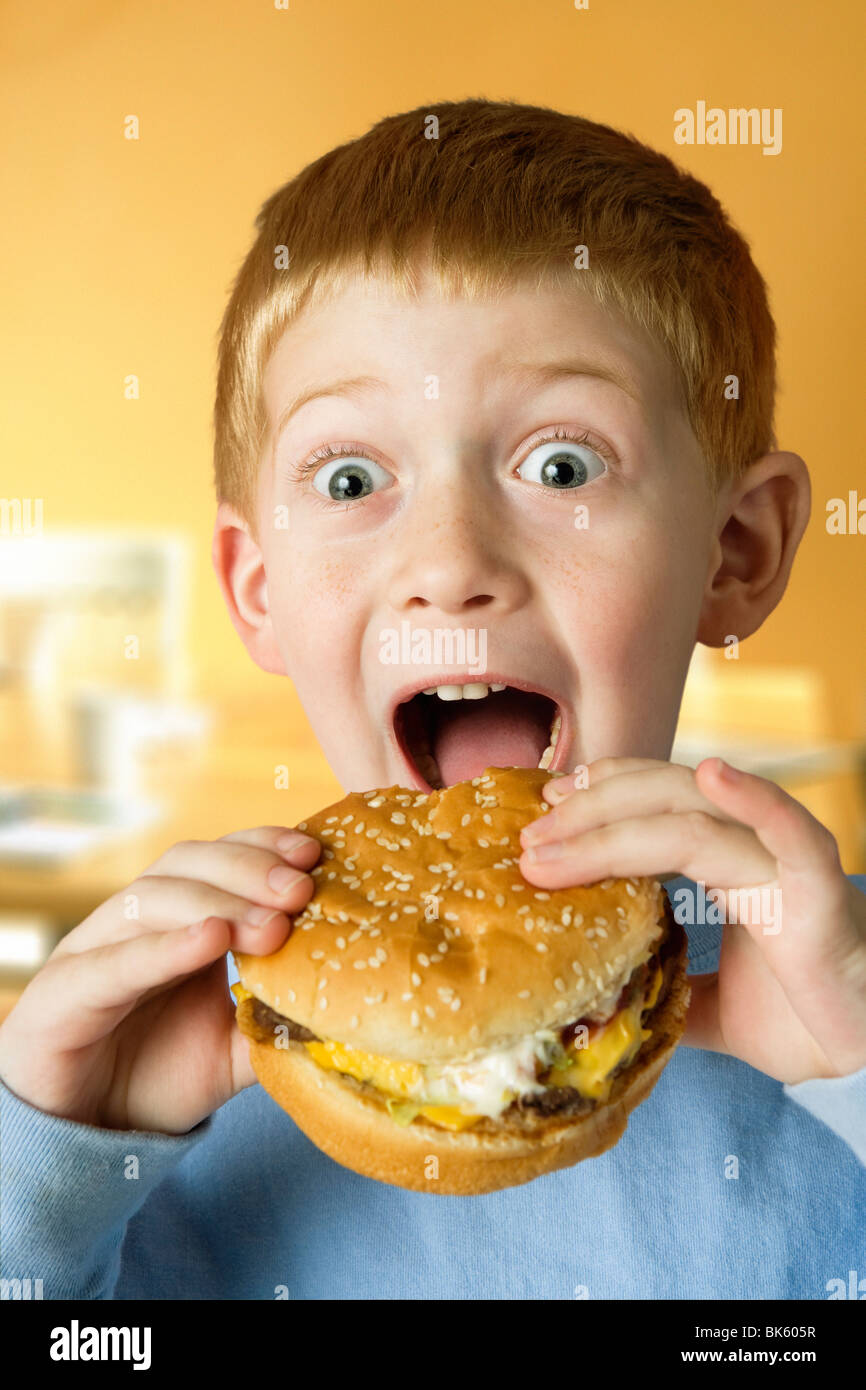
x=455, y=1003
x=290, y=994
x=353, y=1021
x=577, y=967
x=335, y=965
x=323, y=1003
x=414, y=1018
x=559, y=984
x=359, y=828
x=482, y=975
x=429, y=1011
x=316, y=955
x=415, y=978
x=465, y=819
x=542, y=897
x=600, y=921
x=321, y=984
x=360, y=965
x=423, y=960
x=347, y=819
x=523, y=994
x=541, y=945
x=377, y=801
x=397, y=818
x=630, y=890
x=381, y=953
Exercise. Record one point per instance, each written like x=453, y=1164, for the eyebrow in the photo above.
x=539, y=373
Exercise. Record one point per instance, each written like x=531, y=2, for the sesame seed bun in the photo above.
x=369, y=964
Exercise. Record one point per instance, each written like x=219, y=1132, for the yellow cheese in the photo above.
x=449, y=1116
x=591, y=1066
x=394, y=1078
x=397, y=1078
x=240, y=993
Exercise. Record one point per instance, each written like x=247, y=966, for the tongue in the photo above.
x=508, y=728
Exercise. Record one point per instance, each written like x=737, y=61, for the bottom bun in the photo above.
x=353, y=1127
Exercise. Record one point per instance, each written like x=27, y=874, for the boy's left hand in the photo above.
x=789, y=996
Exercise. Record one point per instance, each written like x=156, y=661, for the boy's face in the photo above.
x=585, y=570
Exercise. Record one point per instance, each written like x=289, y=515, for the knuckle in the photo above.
x=698, y=826
x=599, y=768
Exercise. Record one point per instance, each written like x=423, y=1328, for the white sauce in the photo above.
x=489, y=1083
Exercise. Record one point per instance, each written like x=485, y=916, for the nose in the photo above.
x=456, y=554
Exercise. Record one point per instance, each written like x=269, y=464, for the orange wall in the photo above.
x=117, y=256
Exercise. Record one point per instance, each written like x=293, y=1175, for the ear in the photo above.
x=240, y=570
x=760, y=523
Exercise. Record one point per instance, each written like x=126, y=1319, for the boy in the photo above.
x=442, y=328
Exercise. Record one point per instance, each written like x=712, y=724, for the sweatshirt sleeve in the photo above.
x=840, y=1102
x=67, y=1191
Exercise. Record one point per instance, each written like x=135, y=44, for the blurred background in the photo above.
x=130, y=716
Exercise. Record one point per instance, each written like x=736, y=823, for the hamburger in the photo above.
x=435, y=1021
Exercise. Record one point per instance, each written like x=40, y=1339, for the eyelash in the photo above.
x=558, y=435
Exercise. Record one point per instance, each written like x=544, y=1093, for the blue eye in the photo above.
x=562, y=464
x=349, y=477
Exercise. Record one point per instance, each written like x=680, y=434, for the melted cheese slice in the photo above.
x=591, y=1067
x=588, y=1072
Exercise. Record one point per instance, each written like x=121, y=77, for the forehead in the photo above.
x=366, y=325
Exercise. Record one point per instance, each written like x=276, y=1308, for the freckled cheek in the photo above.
x=618, y=606
x=311, y=601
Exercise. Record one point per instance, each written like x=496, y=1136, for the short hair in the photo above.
x=491, y=192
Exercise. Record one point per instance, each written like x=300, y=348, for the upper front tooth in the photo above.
x=474, y=691
x=498, y=687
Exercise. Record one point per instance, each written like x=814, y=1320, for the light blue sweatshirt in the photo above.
x=726, y=1184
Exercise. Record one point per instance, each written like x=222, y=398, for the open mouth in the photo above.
x=451, y=732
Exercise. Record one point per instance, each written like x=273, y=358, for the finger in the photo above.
x=242, y=1068
x=691, y=843
x=801, y=846
x=154, y=904
x=261, y=875
x=656, y=788
x=703, y=1028
x=588, y=776
x=295, y=847
x=83, y=997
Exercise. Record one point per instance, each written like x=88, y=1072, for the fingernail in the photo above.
x=534, y=832
x=726, y=772
x=552, y=850
x=286, y=843
x=282, y=878
x=559, y=790
x=260, y=916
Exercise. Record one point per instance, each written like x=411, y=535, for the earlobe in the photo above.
x=760, y=524
x=240, y=570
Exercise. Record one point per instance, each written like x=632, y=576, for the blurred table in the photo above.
x=228, y=786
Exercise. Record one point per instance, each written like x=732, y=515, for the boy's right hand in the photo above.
x=129, y=1024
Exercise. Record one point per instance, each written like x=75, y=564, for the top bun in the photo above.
x=423, y=942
